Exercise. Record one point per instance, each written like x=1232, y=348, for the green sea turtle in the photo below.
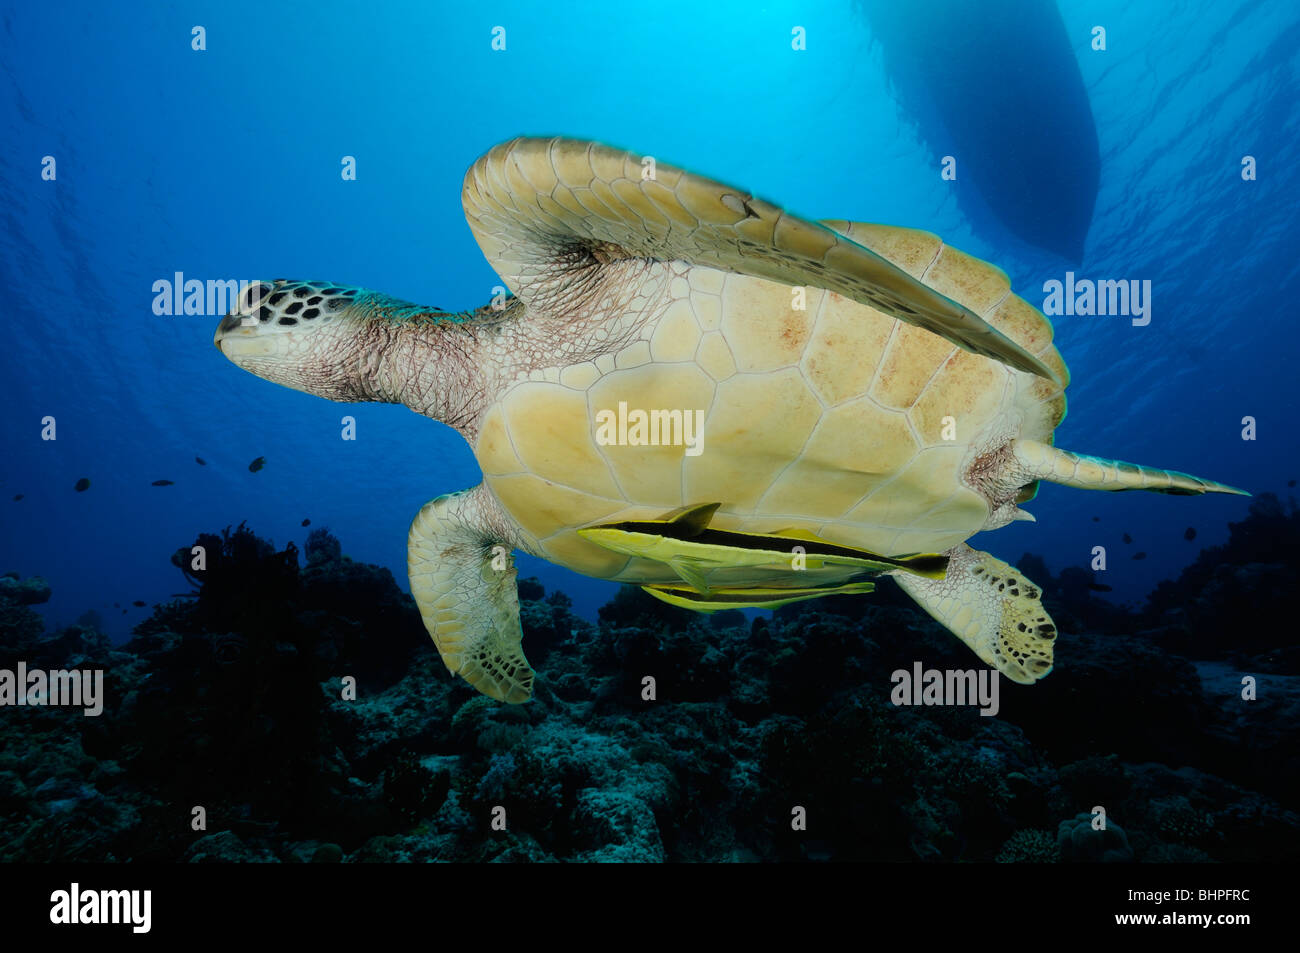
x=697, y=392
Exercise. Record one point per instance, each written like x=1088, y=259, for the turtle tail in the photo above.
x=1040, y=461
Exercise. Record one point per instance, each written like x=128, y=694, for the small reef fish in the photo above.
x=17, y=497
x=200, y=461
x=163, y=483
x=257, y=464
x=1189, y=534
x=138, y=602
x=1128, y=538
x=82, y=485
x=306, y=522
x=1141, y=555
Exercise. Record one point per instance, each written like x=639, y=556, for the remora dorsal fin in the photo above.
x=693, y=519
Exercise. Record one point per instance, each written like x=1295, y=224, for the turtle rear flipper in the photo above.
x=551, y=214
x=470, y=607
x=993, y=608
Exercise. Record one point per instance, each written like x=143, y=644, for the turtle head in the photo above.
x=312, y=336
x=350, y=344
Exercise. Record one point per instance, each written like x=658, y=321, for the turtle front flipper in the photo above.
x=463, y=580
x=1041, y=461
x=993, y=608
x=551, y=215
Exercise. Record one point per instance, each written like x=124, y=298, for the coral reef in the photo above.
x=305, y=712
x=1255, y=568
x=1082, y=838
x=1029, y=846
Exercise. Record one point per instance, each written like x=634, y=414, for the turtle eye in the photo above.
x=253, y=296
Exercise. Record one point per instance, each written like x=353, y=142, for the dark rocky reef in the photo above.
x=234, y=700
x=1234, y=601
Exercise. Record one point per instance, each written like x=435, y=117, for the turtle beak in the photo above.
x=239, y=336
x=236, y=333
x=241, y=323
x=230, y=325
x=245, y=343
x=233, y=321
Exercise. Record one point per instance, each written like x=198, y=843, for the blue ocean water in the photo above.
x=225, y=164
